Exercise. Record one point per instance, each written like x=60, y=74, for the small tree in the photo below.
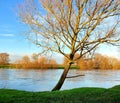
x=35, y=57
x=25, y=62
x=71, y=27
x=4, y=58
x=52, y=63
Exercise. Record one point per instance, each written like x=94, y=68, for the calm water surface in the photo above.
x=45, y=80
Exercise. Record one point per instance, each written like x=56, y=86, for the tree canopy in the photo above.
x=71, y=26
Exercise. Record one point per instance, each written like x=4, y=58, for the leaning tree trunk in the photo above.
x=62, y=78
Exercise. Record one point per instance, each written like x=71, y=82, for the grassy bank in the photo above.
x=13, y=66
x=5, y=66
x=80, y=95
x=72, y=67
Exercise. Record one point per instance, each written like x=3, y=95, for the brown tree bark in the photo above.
x=62, y=78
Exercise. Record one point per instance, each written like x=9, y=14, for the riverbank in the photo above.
x=79, y=95
x=11, y=66
x=7, y=66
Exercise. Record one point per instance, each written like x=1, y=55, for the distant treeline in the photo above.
x=38, y=62
x=97, y=62
x=35, y=62
x=4, y=58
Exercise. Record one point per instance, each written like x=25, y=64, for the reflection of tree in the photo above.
x=22, y=73
x=4, y=77
x=4, y=74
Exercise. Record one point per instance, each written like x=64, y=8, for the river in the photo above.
x=45, y=80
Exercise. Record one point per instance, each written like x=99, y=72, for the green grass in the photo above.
x=80, y=95
x=9, y=66
x=5, y=66
x=72, y=67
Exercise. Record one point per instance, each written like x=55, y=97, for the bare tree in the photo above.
x=26, y=61
x=71, y=26
x=35, y=58
x=4, y=58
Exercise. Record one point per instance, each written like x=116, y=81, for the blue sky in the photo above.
x=12, y=39
x=11, y=29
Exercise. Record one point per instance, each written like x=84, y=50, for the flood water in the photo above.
x=45, y=80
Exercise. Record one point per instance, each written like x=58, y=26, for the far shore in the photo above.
x=11, y=66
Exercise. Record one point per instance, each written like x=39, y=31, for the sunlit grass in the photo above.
x=80, y=95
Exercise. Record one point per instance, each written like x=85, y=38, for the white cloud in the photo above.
x=7, y=35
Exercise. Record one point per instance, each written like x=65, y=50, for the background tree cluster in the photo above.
x=4, y=58
x=97, y=62
x=35, y=62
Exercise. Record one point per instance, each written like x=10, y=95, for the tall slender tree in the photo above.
x=71, y=27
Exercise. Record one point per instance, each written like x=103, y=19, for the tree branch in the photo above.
x=75, y=76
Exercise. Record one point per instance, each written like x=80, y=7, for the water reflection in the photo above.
x=45, y=80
